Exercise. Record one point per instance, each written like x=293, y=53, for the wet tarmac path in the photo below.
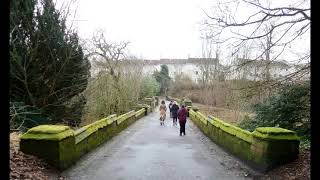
x=148, y=151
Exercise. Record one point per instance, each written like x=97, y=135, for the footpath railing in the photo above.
x=262, y=149
x=61, y=146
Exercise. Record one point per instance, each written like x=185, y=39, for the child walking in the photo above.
x=162, y=110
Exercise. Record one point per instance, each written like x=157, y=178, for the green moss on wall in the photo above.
x=59, y=153
x=263, y=149
x=233, y=130
x=125, y=116
x=61, y=146
x=187, y=102
x=44, y=136
x=216, y=131
x=67, y=153
x=274, y=130
x=150, y=102
x=194, y=108
x=48, y=129
x=275, y=136
x=202, y=118
x=111, y=118
x=140, y=112
x=174, y=99
x=84, y=132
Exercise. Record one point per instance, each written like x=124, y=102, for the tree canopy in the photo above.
x=163, y=78
x=47, y=64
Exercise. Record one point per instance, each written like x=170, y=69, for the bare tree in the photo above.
x=107, y=56
x=116, y=83
x=208, y=64
x=277, y=27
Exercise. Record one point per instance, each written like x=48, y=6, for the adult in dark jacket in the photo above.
x=182, y=116
x=174, y=110
x=170, y=106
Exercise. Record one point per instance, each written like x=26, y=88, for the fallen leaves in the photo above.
x=296, y=170
x=23, y=166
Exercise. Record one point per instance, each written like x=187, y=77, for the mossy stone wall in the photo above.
x=151, y=102
x=61, y=146
x=169, y=98
x=263, y=149
x=187, y=102
x=157, y=100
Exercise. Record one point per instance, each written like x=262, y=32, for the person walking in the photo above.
x=170, y=106
x=182, y=116
x=174, y=110
x=162, y=110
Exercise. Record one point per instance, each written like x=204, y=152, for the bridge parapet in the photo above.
x=157, y=100
x=145, y=106
x=62, y=146
x=169, y=98
x=183, y=101
x=262, y=149
x=53, y=143
x=151, y=101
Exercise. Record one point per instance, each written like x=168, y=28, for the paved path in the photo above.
x=147, y=151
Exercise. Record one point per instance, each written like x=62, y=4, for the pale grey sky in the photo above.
x=155, y=28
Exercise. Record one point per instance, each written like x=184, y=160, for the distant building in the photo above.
x=242, y=68
x=190, y=67
x=257, y=69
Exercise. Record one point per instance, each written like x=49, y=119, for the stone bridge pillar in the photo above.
x=54, y=143
x=272, y=146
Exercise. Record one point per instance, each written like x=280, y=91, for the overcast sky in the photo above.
x=155, y=28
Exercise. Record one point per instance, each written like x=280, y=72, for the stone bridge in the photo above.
x=135, y=146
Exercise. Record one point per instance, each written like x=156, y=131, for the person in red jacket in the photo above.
x=182, y=116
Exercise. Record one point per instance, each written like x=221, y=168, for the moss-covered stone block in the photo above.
x=178, y=101
x=275, y=133
x=145, y=106
x=231, y=129
x=195, y=108
x=273, y=146
x=149, y=110
x=48, y=132
x=55, y=144
x=123, y=117
x=140, y=113
x=150, y=102
x=187, y=102
x=125, y=120
x=157, y=100
x=92, y=135
x=202, y=118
